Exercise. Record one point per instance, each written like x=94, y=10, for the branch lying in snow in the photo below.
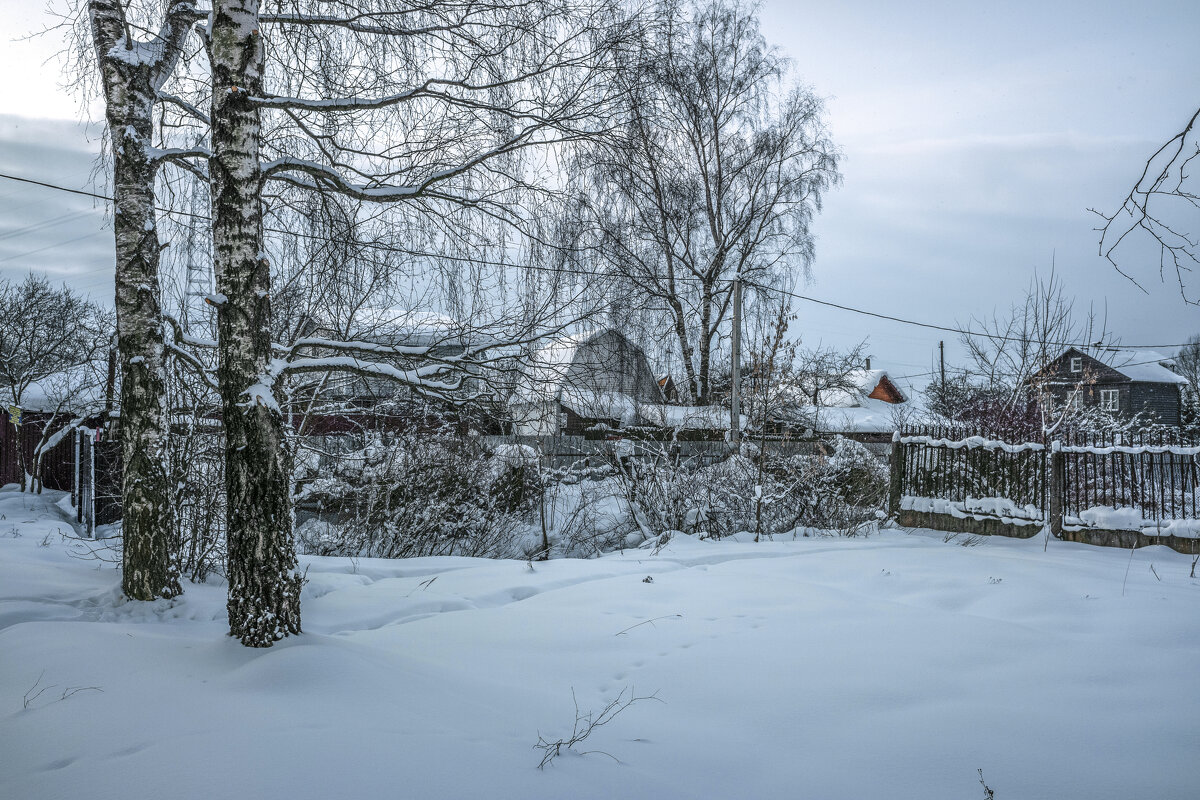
x=70, y=691
x=586, y=723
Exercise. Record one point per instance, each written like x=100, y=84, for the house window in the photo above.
x=1110, y=399
x=1076, y=364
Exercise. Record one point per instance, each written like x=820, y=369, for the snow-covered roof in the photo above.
x=1142, y=366
x=546, y=372
x=80, y=390
x=865, y=381
x=559, y=370
x=871, y=416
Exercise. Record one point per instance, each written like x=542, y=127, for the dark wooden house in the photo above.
x=1123, y=382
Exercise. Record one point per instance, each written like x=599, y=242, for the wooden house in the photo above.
x=1123, y=382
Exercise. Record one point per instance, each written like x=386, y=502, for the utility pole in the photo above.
x=735, y=410
x=942, y=360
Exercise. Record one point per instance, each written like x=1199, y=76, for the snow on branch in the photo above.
x=179, y=336
x=167, y=97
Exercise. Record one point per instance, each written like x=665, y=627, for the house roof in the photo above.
x=1139, y=366
x=546, y=372
x=872, y=416
x=866, y=381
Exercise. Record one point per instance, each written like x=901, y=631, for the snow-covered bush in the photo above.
x=419, y=494
x=765, y=495
x=197, y=473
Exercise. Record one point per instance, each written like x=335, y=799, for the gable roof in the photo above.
x=869, y=384
x=560, y=371
x=1138, y=366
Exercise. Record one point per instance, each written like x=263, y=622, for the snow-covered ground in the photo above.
x=892, y=667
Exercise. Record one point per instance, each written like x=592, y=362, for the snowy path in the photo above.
x=821, y=668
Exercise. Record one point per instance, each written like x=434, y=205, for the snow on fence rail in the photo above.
x=1159, y=483
x=1148, y=484
x=967, y=471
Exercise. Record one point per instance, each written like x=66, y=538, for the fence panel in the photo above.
x=1154, y=483
x=975, y=476
x=1141, y=488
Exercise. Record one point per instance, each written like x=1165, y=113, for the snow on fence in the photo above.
x=972, y=476
x=1081, y=484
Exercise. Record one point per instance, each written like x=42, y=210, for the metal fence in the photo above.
x=1139, y=481
x=97, y=481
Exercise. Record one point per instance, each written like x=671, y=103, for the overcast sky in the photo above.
x=975, y=135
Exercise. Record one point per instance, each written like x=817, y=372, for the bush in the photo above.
x=419, y=494
x=766, y=495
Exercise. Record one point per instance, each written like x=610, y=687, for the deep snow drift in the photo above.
x=892, y=667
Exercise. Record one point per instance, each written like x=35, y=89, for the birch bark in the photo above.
x=264, y=587
x=132, y=72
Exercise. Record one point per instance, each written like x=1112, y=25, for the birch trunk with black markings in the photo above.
x=132, y=72
x=264, y=587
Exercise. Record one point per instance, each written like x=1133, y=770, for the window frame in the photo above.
x=1076, y=364
x=1110, y=399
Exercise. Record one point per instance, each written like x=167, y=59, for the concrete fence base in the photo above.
x=971, y=525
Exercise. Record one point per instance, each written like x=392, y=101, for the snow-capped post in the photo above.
x=264, y=587
x=132, y=72
x=896, y=486
x=1054, y=503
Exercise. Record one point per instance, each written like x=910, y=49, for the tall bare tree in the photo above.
x=1008, y=349
x=716, y=173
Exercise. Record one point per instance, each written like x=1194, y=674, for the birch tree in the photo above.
x=716, y=173
x=132, y=72
x=424, y=107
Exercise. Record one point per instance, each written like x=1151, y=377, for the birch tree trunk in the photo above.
x=132, y=74
x=264, y=587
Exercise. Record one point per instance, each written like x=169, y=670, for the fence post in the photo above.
x=1056, y=500
x=896, y=487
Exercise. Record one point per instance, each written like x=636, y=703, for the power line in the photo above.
x=565, y=270
x=977, y=334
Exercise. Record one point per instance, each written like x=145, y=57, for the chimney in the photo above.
x=868, y=362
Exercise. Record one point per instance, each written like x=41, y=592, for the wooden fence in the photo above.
x=21, y=441
x=1097, y=487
